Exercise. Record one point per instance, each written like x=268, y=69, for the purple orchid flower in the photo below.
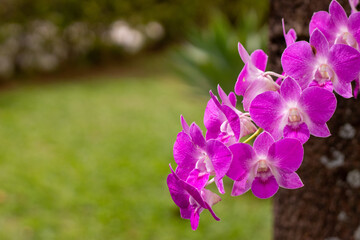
x=336, y=26
x=266, y=166
x=191, y=200
x=224, y=122
x=290, y=36
x=293, y=113
x=198, y=158
x=252, y=79
x=316, y=64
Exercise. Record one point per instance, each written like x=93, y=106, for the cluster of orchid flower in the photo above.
x=280, y=114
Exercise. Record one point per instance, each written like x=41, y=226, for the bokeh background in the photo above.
x=90, y=98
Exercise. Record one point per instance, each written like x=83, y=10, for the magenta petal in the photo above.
x=259, y=59
x=354, y=26
x=357, y=87
x=242, y=82
x=257, y=87
x=186, y=212
x=184, y=154
x=262, y=144
x=223, y=96
x=264, y=189
x=290, y=90
x=243, y=53
x=320, y=130
x=243, y=157
x=220, y=157
x=194, y=220
x=342, y=88
x=290, y=37
x=298, y=61
x=338, y=14
x=343, y=60
x=300, y=133
x=289, y=180
x=210, y=199
x=232, y=98
x=321, y=20
x=233, y=120
x=319, y=42
x=197, y=135
x=219, y=184
x=184, y=125
x=266, y=110
x=179, y=196
x=318, y=105
x=240, y=187
x=198, y=179
x=286, y=154
x=213, y=118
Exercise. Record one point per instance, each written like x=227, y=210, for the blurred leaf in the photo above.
x=210, y=56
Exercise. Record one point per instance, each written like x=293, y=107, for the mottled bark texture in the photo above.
x=328, y=206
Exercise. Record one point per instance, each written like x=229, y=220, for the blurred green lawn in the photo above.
x=89, y=160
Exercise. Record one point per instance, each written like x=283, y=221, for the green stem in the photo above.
x=254, y=135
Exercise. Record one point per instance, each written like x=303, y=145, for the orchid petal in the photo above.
x=342, y=59
x=354, y=26
x=298, y=61
x=319, y=42
x=290, y=90
x=338, y=14
x=240, y=187
x=243, y=81
x=320, y=130
x=257, y=87
x=198, y=179
x=321, y=20
x=286, y=154
x=290, y=36
x=300, y=133
x=194, y=220
x=179, y=196
x=266, y=110
x=184, y=125
x=243, y=158
x=233, y=120
x=184, y=154
x=232, y=98
x=220, y=157
x=262, y=144
x=243, y=53
x=289, y=180
x=259, y=59
x=318, y=105
x=264, y=189
x=213, y=118
x=197, y=135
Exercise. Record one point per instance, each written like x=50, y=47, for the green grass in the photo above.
x=89, y=160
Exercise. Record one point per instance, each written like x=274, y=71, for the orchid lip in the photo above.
x=204, y=164
x=324, y=73
x=294, y=115
x=348, y=39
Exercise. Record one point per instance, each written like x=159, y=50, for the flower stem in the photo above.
x=254, y=135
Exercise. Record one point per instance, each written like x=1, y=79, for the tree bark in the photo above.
x=328, y=206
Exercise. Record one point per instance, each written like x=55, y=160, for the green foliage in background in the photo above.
x=89, y=160
x=177, y=15
x=210, y=56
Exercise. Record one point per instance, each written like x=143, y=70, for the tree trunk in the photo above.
x=328, y=206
